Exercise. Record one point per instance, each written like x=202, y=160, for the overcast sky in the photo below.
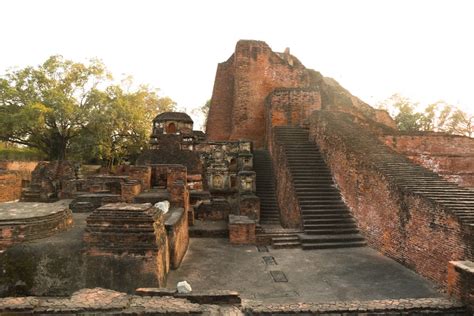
x=421, y=49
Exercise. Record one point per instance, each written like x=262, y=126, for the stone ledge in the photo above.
x=425, y=306
x=467, y=266
x=162, y=301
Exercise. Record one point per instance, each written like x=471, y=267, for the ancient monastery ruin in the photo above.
x=290, y=160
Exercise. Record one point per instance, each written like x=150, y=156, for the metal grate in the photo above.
x=269, y=261
x=278, y=276
x=262, y=248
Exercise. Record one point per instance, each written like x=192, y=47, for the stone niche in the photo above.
x=247, y=181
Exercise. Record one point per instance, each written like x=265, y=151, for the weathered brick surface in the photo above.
x=214, y=210
x=176, y=224
x=21, y=222
x=409, y=227
x=290, y=216
x=285, y=106
x=461, y=282
x=25, y=168
x=245, y=80
x=139, y=173
x=130, y=190
x=221, y=102
x=10, y=185
x=449, y=155
x=165, y=302
x=241, y=230
x=118, y=232
x=249, y=205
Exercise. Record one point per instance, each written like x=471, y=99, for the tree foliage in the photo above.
x=65, y=108
x=437, y=117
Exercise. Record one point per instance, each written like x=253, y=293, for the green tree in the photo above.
x=63, y=107
x=438, y=117
x=403, y=110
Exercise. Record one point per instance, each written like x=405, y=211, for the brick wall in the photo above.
x=245, y=80
x=10, y=185
x=241, y=230
x=408, y=227
x=139, y=173
x=221, y=102
x=178, y=235
x=286, y=197
x=461, y=282
x=449, y=155
x=25, y=168
x=242, y=84
x=289, y=107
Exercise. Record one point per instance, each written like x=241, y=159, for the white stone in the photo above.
x=164, y=206
x=184, y=287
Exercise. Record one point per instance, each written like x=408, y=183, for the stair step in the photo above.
x=284, y=245
x=309, y=228
x=309, y=223
x=333, y=245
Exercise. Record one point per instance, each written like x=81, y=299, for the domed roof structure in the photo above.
x=173, y=116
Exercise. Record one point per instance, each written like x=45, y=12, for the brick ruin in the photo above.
x=289, y=159
x=340, y=167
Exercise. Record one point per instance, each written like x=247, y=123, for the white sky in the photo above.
x=421, y=49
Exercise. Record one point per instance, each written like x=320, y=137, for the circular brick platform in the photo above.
x=24, y=221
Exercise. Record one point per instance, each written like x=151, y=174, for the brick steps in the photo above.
x=265, y=183
x=327, y=222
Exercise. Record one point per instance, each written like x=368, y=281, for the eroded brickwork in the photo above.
x=448, y=155
x=245, y=80
x=399, y=218
x=461, y=282
x=10, y=185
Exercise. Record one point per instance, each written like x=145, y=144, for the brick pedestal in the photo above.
x=241, y=230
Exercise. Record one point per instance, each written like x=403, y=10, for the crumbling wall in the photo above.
x=451, y=156
x=289, y=106
x=10, y=185
x=14, y=175
x=244, y=81
x=404, y=225
x=221, y=102
x=176, y=224
x=24, y=168
x=288, y=205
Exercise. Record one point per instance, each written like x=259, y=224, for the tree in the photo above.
x=63, y=106
x=438, y=117
x=403, y=110
x=203, y=111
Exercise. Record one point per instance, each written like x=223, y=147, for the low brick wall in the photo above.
x=130, y=190
x=406, y=226
x=25, y=168
x=10, y=185
x=451, y=156
x=290, y=216
x=168, y=302
x=461, y=282
x=241, y=230
x=176, y=224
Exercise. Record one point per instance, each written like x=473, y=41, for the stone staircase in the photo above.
x=269, y=213
x=326, y=220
